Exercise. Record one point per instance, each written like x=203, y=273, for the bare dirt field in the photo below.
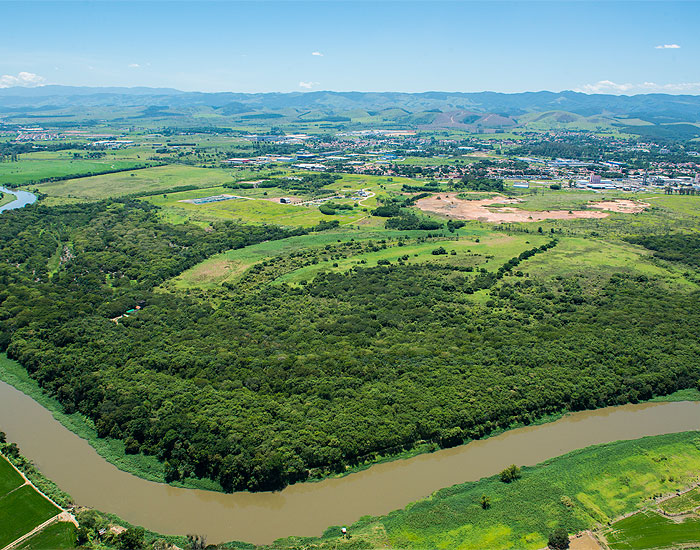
x=449, y=205
x=584, y=541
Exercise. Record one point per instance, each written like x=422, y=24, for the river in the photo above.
x=23, y=198
x=306, y=509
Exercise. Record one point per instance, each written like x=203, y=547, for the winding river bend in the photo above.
x=308, y=508
x=22, y=198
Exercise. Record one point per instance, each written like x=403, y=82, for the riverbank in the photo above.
x=151, y=469
x=112, y=450
x=577, y=491
x=6, y=198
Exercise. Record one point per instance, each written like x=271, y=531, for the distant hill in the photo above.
x=483, y=110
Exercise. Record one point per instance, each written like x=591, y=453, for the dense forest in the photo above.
x=260, y=386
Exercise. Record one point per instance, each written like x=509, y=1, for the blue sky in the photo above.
x=264, y=46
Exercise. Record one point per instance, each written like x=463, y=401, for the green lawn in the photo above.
x=57, y=536
x=21, y=511
x=649, y=530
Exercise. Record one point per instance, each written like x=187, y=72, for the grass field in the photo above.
x=258, y=211
x=57, y=536
x=6, y=198
x=490, y=252
x=144, y=181
x=37, y=166
x=22, y=508
x=577, y=491
x=649, y=530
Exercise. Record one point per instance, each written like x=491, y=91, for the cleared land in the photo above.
x=490, y=210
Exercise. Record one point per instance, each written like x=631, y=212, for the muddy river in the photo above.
x=308, y=508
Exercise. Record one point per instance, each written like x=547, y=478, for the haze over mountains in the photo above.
x=486, y=111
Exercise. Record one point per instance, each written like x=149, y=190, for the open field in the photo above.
x=506, y=210
x=22, y=508
x=37, y=166
x=489, y=253
x=577, y=491
x=258, y=211
x=593, y=260
x=159, y=178
x=57, y=536
x=229, y=266
x=649, y=530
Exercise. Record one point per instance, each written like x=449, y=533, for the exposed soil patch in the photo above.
x=449, y=205
x=584, y=541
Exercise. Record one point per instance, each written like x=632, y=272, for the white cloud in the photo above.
x=610, y=87
x=317, y=54
x=134, y=66
x=307, y=85
x=28, y=80
x=667, y=47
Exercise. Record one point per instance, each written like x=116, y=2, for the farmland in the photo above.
x=22, y=508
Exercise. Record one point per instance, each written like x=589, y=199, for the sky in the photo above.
x=265, y=46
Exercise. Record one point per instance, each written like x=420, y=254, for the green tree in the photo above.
x=511, y=473
x=558, y=539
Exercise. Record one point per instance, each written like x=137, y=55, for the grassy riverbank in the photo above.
x=577, y=491
x=148, y=467
x=6, y=198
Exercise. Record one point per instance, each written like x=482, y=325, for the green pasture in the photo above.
x=21, y=511
x=57, y=536
x=577, y=491
x=139, y=181
x=649, y=530
x=33, y=167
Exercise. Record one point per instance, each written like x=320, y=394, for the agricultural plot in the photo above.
x=56, y=536
x=22, y=508
x=680, y=504
x=648, y=530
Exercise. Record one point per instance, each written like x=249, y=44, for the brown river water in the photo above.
x=308, y=508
